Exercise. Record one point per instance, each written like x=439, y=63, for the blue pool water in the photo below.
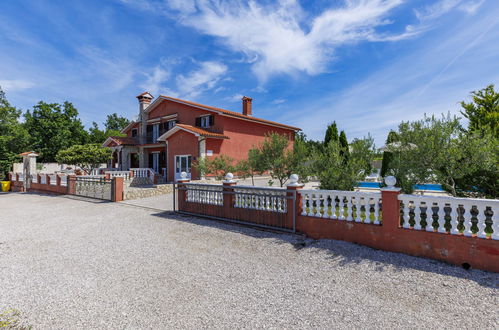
x=426, y=186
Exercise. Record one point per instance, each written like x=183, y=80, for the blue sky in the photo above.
x=367, y=64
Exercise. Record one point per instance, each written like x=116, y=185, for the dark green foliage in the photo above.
x=53, y=127
x=115, y=122
x=331, y=133
x=87, y=156
x=13, y=136
x=334, y=171
x=344, y=150
x=483, y=111
x=388, y=155
x=98, y=136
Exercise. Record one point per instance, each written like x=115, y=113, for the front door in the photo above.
x=155, y=162
x=182, y=164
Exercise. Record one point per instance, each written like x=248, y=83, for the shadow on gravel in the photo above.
x=346, y=253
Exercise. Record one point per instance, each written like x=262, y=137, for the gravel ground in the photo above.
x=67, y=264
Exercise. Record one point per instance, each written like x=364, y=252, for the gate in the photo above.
x=93, y=187
x=272, y=208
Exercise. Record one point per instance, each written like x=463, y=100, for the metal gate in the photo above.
x=93, y=187
x=256, y=206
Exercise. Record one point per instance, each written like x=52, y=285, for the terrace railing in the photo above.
x=342, y=205
x=456, y=216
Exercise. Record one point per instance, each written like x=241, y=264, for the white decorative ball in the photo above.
x=183, y=175
x=229, y=176
x=390, y=181
x=293, y=178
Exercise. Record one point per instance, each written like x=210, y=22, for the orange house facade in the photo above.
x=171, y=134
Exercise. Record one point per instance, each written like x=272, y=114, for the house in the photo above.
x=170, y=134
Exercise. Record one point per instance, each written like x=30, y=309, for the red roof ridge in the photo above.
x=232, y=113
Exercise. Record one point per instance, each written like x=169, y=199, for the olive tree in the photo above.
x=86, y=156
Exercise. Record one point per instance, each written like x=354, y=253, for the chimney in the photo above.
x=144, y=101
x=247, y=106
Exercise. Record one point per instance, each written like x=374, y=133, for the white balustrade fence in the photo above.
x=204, y=193
x=64, y=180
x=53, y=179
x=34, y=178
x=43, y=178
x=342, y=205
x=143, y=173
x=452, y=215
x=265, y=199
x=123, y=174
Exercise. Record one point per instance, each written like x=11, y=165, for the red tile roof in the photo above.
x=232, y=113
x=123, y=140
x=28, y=153
x=202, y=132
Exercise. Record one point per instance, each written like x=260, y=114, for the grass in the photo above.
x=11, y=319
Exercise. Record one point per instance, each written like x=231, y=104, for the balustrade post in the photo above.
x=47, y=179
x=17, y=176
x=57, y=180
x=390, y=205
x=117, y=184
x=294, y=206
x=228, y=195
x=71, y=184
x=181, y=192
x=38, y=179
x=131, y=174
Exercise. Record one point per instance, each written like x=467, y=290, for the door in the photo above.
x=182, y=164
x=155, y=162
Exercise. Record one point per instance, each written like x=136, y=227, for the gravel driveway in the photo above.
x=67, y=263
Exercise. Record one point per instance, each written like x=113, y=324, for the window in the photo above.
x=205, y=121
x=134, y=132
x=170, y=124
x=155, y=133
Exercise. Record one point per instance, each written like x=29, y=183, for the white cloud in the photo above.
x=155, y=79
x=278, y=101
x=442, y=7
x=471, y=7
x=432, y=80
x=277, y=39
x=15, y=85
x=235, y=98
x=200, y=80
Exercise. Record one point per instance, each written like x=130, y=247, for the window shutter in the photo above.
x=198, y=121
x=212, y=120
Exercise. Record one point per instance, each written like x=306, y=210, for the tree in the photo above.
x=331, y=133
x=344, y=150
x=115, y=122
x=276, y=157
x=53, y=127
x=218, y=166
x=336, y=172
x=483, y=111
x=87, y=156
x=13, y=136
x=441, y=151
x=388, y=155
x=96, y=135
x=251, y=166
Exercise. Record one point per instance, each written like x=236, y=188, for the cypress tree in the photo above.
x=344, y=151
x=387, y=155
x=331, y=133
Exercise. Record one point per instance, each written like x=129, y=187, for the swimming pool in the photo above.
x=426, y=186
